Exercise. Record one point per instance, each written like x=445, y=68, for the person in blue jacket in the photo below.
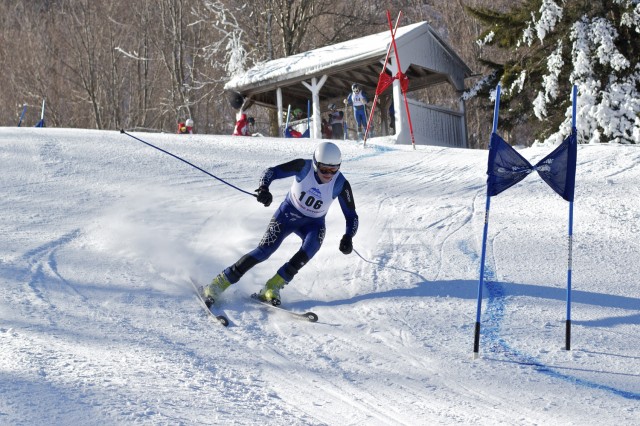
x=358, y=99
x=316, y=184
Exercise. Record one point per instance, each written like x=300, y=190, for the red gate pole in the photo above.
x=384, y=80
x=404, y=83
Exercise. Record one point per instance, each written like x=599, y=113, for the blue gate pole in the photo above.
x=476, y=339
x=24, y=110
x=570, y=255
x=41, y=122
x=286, y=125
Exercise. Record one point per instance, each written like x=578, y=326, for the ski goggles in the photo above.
x=326, y=169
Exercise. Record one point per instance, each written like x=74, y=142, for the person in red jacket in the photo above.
x=186, y=127
x=242, y=125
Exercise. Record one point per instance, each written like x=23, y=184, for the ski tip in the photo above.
x=223, y=320
x=311, y=317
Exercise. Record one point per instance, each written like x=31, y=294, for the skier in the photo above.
x=316, y=184
x=335, y=120
x=186, y=127
x=359, y=100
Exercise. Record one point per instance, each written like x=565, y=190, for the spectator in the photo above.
x=326, y=129
x=298, y=114
x=336, y=118
x=186, y=127
x=290, y=132
x=392, y=118
x=242, y=125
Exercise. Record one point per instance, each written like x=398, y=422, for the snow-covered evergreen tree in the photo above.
x=547, y=46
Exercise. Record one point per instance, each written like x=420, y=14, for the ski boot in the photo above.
x=211, y=292
x=271, y=290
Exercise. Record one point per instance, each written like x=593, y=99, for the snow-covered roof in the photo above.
x=424, y=57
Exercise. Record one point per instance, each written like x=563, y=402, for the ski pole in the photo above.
x=388, y=266
x=185, y=161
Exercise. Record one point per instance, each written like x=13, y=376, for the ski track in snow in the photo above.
x=99, y=325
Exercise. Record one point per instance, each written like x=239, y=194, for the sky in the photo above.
x=99, y=324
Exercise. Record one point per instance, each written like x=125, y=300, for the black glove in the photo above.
x=264, y=196
x=346, y=244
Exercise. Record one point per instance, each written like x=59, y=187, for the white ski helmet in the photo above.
x=328, y=154
x=189, y=122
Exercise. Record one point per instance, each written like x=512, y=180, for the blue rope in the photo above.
x=185, y=161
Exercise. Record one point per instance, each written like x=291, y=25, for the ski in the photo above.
x=307, y=316
x=217, y=317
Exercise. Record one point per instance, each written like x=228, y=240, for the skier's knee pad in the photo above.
x=238, y=269
x=295, y=264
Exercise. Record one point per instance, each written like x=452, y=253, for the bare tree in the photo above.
x=172, y=47
x=26, y=61
x=80, y=31
x=143, y=78
x=147, y=63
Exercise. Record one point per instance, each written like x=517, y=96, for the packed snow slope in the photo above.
x=99, y=325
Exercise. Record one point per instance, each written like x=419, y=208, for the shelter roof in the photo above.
x=425, y=58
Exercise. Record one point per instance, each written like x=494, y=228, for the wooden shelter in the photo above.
x=325, y=75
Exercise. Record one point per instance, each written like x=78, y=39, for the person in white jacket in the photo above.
x=316, y=184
